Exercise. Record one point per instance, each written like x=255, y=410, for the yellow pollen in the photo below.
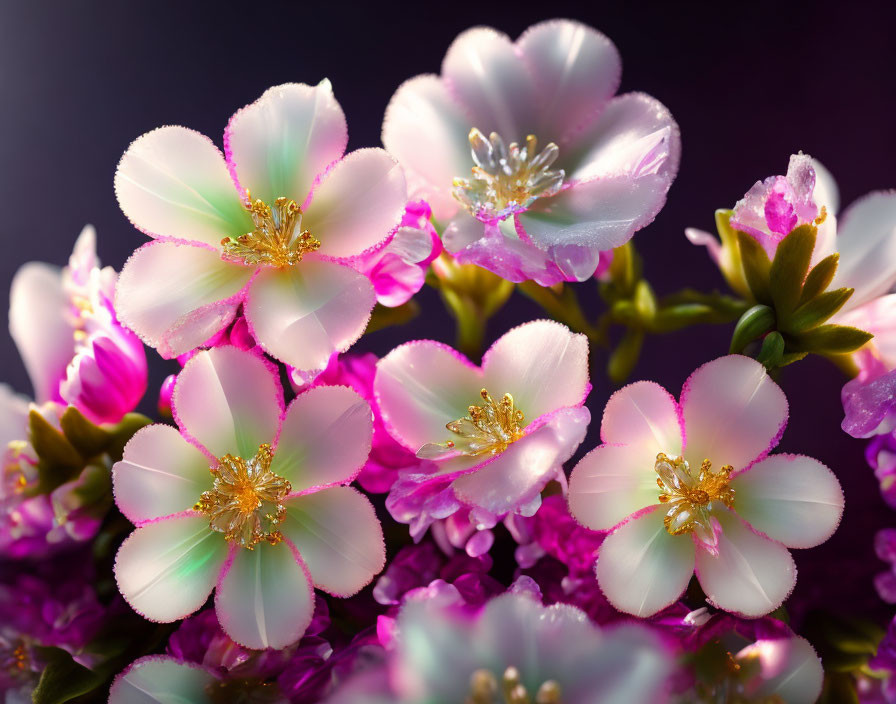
x=690, y=495
x=485, y=689
x=277, y=239
x=246, y=500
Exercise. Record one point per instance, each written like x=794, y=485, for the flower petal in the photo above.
x=542, y=364
x=14, y=409
x=325, y=438
x=522, y=470
x=793, y=499
x=611, y=483
x=643, y=414
x=264, y=598
x=426, y=130
x=302, y=315
x=866, y=240
x=280, y=143
x=733, y=412
x=751, y=575
x=878, y=317
x=175, y=296
x=159, y=679
x=359, y=203
x=229, y=401
x=38, y=308
x=420, y=386
x=159, y=474
x=339, y=537
x=173, y=182
x=575, y=69
x=790, y=671
x=165, y=570
x=641, y=568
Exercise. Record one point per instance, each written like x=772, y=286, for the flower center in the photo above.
x=690, y=494
x=277, y=240
x=14, y=460
x=246, y=500
x=484, y=689
x=506, y=180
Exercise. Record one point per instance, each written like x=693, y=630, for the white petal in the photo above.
x=643, y=414
x=159, y=679
x=789, y=670
x=866, y=241
x=13, y=415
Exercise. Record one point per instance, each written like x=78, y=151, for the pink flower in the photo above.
x=494, y=435
x=69, y=336
x=281, y=237
x=687, y=486
x=561, y=169
x=272, y=520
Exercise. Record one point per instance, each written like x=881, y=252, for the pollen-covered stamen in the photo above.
x=507, y=180
x=690, y=495
x=486, y=430
x=277, y=240
x=246, y=500
x=485, y=689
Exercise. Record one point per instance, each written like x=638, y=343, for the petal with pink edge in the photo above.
x=426, y=130
x=264, y=598
x=159, y=679
x=643, y=414
x=641, y=568
x=280, y=143
x=325, y=438
x=173, y=182
x=302, y=315
x=542, y=364
x=229, y=401
x=789, y=671
x=358, y=204
x=733, y=412
x=793, y=499
x=166, y=569
x=420, y=386
x=339, y=537
x=879, y=318
x=611, y=483
x=866, y=241
x=576, y=70
x=175, y=296
x=159, y=474
x=38, y=307
x=522, y=470
x=751, y=575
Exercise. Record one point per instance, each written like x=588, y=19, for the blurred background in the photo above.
x=749, y=83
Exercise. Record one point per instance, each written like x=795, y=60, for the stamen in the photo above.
x=507, y=180
x=277, y=239
x=690, y=495
x=484, y=689
x=245, y=503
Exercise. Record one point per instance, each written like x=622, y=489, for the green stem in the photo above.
x=564, y=307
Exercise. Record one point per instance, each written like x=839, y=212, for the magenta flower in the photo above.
x=525, y=154
x=494, y=435
x=280, y=238
x=274, y=517
x=68, y=334
x=687, y=486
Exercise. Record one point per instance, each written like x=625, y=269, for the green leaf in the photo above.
x=756, y=267
x=829, y=339
x=772, y=350
x=789, y=268
x=820, y=277
x=58, y=460
x=624, y=358
x=63, y=679
x=755, y=323
x=815, y=311
x=791, y=357
x=86, y=437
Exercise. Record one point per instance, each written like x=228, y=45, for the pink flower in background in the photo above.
x=68, y=334
x=493, y=435
x=271, y=521
x=525, y=155
x=278, y=226
x=881, y=457
x=689, y=487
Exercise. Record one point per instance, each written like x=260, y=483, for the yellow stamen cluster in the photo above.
x=13, y=471
x=246, y=500
x=690, y=494
x=489, y=428
x=484, y=689
x=277, y=239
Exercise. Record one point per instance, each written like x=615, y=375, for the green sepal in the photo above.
x=789, y=268
x=772, y=350
x=816, y=310
x=829, y=339
x=63, y=679
x=645, y=301
x=58, y=460
x=757, y=267
x=625, y=270
x=820, y=277
x=753, y=324
x=624, y=358
x=84, y=436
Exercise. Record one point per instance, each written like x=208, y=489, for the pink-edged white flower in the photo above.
x=525, y=154
x=495, y=434
x=272, y=519
x=66, y=329
x=164, y=680
x=687, y=486
x=280, y=237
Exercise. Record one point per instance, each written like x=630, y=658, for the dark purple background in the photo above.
x=749, y=84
